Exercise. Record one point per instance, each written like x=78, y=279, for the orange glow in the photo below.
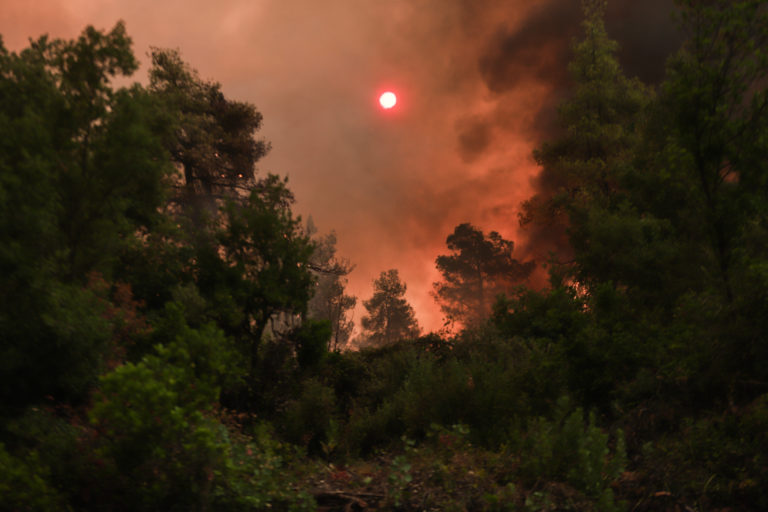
x=388, y=100
x=473, y=81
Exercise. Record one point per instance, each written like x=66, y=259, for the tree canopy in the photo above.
x=390, y=318
x=136, y=316
x=478, y=270
x=67, y=210
x=214, y=142
x=601, y=123
x=330, y=301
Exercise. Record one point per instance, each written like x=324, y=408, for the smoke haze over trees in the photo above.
x=478, y=84
x=171, y=329
x=330, y=301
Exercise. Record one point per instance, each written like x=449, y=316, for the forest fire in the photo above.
x=558, y=270
x=461, y=151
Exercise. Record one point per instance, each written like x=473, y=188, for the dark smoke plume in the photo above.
x=537, y=50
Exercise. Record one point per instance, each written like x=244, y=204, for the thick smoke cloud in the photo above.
x=478, y=83
x=534, y=50
x=539, y=48
x=537, y=52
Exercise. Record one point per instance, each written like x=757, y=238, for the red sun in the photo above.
x=388, y=100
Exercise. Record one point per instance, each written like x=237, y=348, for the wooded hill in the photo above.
x=157, y=350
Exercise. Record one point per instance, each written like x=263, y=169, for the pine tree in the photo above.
x=478, y=270
x=582, y=169
x=390, y=318
x=330, y=302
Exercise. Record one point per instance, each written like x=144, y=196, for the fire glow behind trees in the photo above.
x=482, y=80
x=160, y=351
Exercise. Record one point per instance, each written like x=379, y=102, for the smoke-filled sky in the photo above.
x=477, y=84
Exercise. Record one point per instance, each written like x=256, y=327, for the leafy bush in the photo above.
x=369, y=428
x=308, y=419
x=257, y=478
x=311, y=340
x=156, y=440
x=24, y=484
x=570, y=449
x=718, y=460
x=158, y=443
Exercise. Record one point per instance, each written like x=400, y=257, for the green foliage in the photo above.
x=77, y=151
x=399, y=477
x=582, y=169
x=24, y=485
x=259, y=477
x=271, y=384
x=64, y=347
x=69, y=140
x=716, y=460
x=158, y=443
x=487, y=383
x=133, y=310
x=309, y=420
x=569, y=449
x=213, y=139
x=714, y=118
x=346, y=374
x=154, y=424
x=554, y=315
x=581, y=343
x=257, y=266
x=311, y=340
x=372, y=427
x=53, y=440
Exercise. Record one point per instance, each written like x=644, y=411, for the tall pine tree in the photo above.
x=390, y=318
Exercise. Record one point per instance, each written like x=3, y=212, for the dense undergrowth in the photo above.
x=421, y=425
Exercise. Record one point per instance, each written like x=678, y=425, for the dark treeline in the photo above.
x=171, y=333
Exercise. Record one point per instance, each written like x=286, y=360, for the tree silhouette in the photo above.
x=330, y=302
x=390, y=317
x=582, y=169
x=81, y=173
x=214, y=142
x=477, y=271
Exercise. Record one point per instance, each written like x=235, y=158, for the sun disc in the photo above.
x=387, y=100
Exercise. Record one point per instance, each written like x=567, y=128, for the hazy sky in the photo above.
x=477, y=82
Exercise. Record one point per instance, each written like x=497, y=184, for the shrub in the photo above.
x=308, y=419
x=311, y=341
x=24, y=484
x=570, y=449
x=719, y=460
